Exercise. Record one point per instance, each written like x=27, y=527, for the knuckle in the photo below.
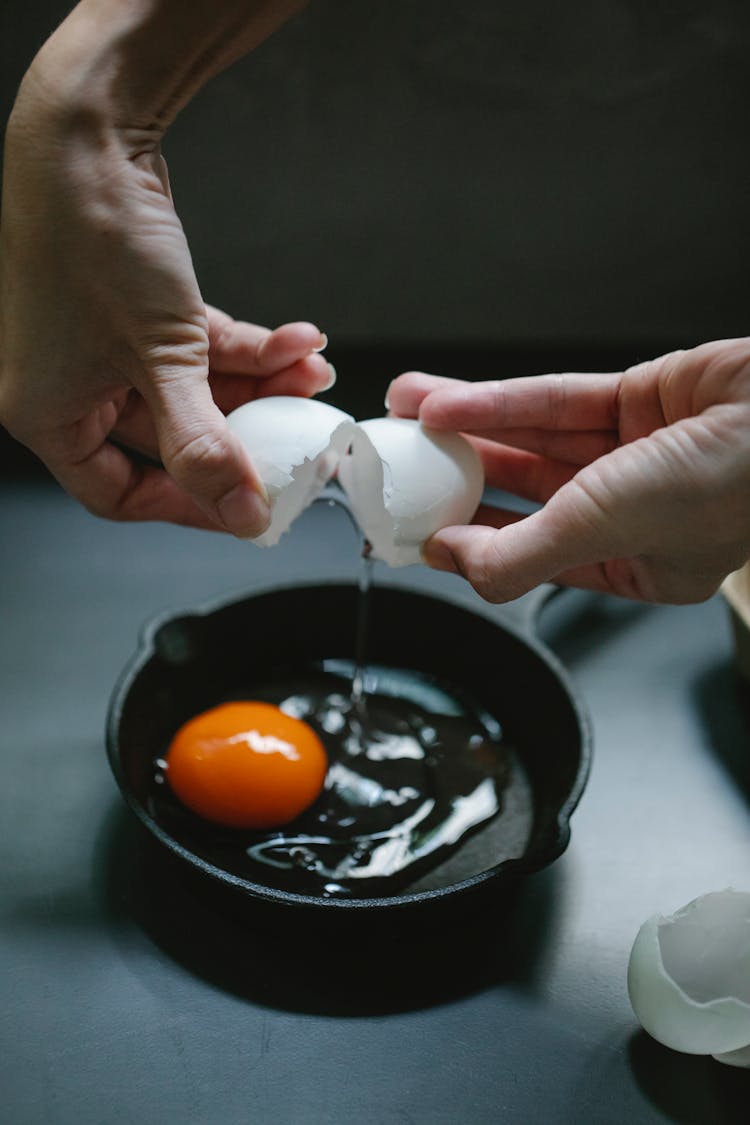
x=222, y=335
x=661, y=365
x=498, y=406
x=557, y=393
x=104, y=507
x=174, y=352
x=728, y=361
x=479, y=577
x=487, y=592
x=118, y=507
x=203, y=454
x=488, y=573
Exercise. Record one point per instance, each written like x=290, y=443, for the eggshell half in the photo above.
x=689, y=977
x=405, y=482
x=295, y=445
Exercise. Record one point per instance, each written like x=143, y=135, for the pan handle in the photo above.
x=525, y=611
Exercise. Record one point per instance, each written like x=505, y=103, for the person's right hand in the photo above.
x=644, y=476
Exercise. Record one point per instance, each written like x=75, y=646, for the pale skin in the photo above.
x=644, y=475
x=107, y=349
x=106, y=345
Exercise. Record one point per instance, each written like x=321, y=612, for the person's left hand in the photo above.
x=106, y=345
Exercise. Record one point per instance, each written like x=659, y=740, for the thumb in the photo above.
x=502, y=563
x=203, y=456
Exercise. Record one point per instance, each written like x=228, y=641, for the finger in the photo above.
x=288, y=344
x=237, y=347
x=504, y=563
x=598, y=578
x=577, y=447
x=311, y=376
x=563, y=402
x=111, y=485
x=406, y=392
x=135, y=428
x=521, y=473
x=308, y=377
x=595, y=577
x=202, y=454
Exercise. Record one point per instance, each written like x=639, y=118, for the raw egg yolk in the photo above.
x=246, y=765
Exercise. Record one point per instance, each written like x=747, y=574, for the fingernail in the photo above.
x=386, y=403
x=439, y=557
x=244, y=512
x=331, y=378
x=323, y=344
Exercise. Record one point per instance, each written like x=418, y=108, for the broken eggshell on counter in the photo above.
x=403, y=482
x=689, y=977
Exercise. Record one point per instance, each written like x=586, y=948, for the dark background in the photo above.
x=482, y=189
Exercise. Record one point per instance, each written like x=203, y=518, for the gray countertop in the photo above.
x=126, y=1001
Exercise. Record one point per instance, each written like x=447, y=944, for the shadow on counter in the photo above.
x=374, y=968
x=688, y=1089
x=723, y=705
x=576, y=623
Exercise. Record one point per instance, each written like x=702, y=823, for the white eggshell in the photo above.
x=405, y=482
x=689, y=977
x=295, y=445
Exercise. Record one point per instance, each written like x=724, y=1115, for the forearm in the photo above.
x=135, y=63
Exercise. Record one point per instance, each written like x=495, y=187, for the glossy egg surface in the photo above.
x=246, y=765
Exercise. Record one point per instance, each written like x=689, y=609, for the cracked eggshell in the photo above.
x=689, y=977
x=295, y=445
x=405, y=482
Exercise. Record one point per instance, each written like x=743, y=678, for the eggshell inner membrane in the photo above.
x=296, y=445
x=405, y=482
x=689, y=976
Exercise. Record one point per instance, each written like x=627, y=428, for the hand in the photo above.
x=644, y=476
x=106, y=346
x=105, y=338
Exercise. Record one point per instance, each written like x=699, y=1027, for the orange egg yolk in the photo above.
x=246, y=765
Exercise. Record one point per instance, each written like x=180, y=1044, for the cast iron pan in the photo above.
x=191, y=662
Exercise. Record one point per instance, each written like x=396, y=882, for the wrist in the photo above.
x=133, y=64
x=74, y=77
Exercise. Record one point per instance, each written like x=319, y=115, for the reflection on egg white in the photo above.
x=430, y=806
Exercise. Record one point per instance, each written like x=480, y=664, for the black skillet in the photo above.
x=188, y=663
